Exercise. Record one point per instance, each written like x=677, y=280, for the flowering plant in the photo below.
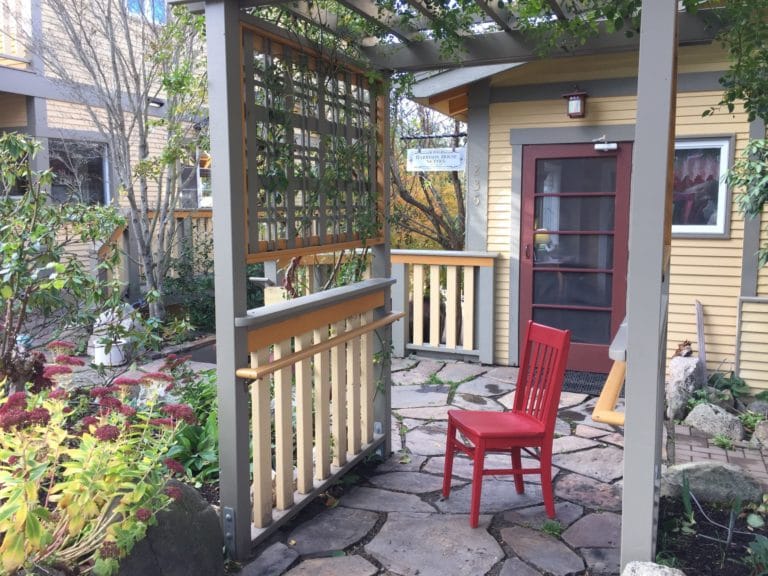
x=81, y=493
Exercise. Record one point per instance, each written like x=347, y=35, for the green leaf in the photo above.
x=6, y=292
x=33, y=531
x=755, y=520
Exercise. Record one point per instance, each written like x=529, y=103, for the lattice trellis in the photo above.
x=311, y=142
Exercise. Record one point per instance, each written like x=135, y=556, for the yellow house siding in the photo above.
x=13, y=111
x=753, y=344
x=707, y=270
x=762, y=275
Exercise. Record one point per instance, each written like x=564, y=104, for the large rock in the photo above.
x=686, y=374
x=650, y=569
x=759, y=407
x=760, y=435
x=715, y=421
x=186, y=541
x=711, y=482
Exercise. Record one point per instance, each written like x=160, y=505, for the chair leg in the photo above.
x=477, y=484
x=450, y=451
x=545, y=460
x=517, y=463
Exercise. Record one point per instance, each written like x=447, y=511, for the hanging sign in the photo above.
x=436, y=159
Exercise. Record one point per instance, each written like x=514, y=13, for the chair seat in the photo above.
x=491, y=425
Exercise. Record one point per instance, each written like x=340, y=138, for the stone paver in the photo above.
x=274, y=561
x=398, y=364
x=427, y=440
x=446, y=545
x=333, y=529
x=588, y=492
x=602, y=529
x=568, y=399
x=419, y=374
x=602, y=561
x=347, y=565
x=496, y=496
x=400, y=462
x=516, y=567
x=418, y=396
x=587, y=431
x=462, y=467
x=534, y=517
x=485, y=386
x=604, y=464
x=426, y=412
x=507, y=400
x=410, y=482
x=475, y=402
x=365, y=498
x=571, y=444
x=504, y=373
x=545, y=552
x=460, y=371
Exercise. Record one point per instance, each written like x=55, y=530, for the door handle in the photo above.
x=527, y=251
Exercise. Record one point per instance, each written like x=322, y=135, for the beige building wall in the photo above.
x=705, y=269
x=13, y=110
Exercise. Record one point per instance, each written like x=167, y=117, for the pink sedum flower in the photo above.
x=67, y=360
x=174, y=466
x=107, y=433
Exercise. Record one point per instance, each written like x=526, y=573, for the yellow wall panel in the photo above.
x=13, y=111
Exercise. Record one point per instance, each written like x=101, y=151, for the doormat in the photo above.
x=585, y=382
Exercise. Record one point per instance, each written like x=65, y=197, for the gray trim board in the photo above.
x=648, y=279
x=749, y=262
x=476, y=197
x=571, y=135
x=37, y=121
x=627, y=86
x=36, y=9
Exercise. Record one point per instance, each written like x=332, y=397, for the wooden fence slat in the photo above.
x=418, y=304
x=367, y=382
x=322, y=408
x=339, y=398
x=468, y=309
x=451, y=306
x=434, y=306
x=304, y=417
x=353, y=388
x=262, y=449
x=283, y=430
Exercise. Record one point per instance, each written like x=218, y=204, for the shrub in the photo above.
x=80, y=493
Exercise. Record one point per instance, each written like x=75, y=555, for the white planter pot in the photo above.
x=117, y=355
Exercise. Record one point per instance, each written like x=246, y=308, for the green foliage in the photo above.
x=757, y=559
x=722, y=441
x=190, y=284
x=688, y=520
x=750, y=175
x=43, y=285
x=79, y=493
x=667, y=559
x=197, y=445
x=750, y=419
x=552, y=527
x=729, y=381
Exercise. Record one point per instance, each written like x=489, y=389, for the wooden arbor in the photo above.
x=244, y=231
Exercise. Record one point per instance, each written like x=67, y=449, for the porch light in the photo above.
x=155, y=102
x=577, y=104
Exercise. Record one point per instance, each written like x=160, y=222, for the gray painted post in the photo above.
x=516, y=206
x=647, y=281
x=382, y=268
x=749, y=262
x=400, y=303
x=224, y=70
x=484, y=304
x=476, y=228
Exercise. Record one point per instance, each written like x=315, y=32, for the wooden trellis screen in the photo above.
x=311, y=138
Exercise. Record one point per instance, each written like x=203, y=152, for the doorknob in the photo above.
x=527, y=251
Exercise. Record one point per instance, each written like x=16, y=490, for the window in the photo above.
x=152, y=10
x=80, y=171
x=701, y=203
x=196, y=183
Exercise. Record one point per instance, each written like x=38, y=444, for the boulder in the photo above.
x=650, y=569
x=758, y=407
x=186, y=541
x=711, y=482
x=760, y=435
x=715, y=421
x=722, y=398
x=686, y=374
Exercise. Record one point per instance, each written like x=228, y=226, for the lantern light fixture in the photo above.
x=577, y=103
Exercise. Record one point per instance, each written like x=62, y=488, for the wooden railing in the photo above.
x=14, y=29
x=313, y=385
x=449, y=299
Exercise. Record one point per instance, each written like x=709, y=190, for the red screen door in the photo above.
x=573, y=261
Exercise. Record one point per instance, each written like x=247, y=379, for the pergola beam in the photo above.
x=383, y=18
x=506, y=47
x=558, y=10
x=322, y=18
x=502, y=17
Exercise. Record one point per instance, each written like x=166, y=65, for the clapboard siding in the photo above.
x=753, y=343
x=707, y=270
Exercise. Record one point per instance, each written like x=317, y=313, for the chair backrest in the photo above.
x=542, y=371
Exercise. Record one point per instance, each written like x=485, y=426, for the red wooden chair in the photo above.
x=530, y=424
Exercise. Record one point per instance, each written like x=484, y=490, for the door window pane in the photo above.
x=576, y=213
x=573, y=288
x=78, y=171
x=587, y=326
x=573, y=251
x=576, y=175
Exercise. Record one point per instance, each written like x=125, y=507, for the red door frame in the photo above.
x=583, y=357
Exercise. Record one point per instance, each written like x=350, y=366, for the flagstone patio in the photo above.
x=394, y=521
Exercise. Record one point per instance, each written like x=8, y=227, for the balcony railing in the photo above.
x=15, y=18
x=313, y=390
x=449, y=299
